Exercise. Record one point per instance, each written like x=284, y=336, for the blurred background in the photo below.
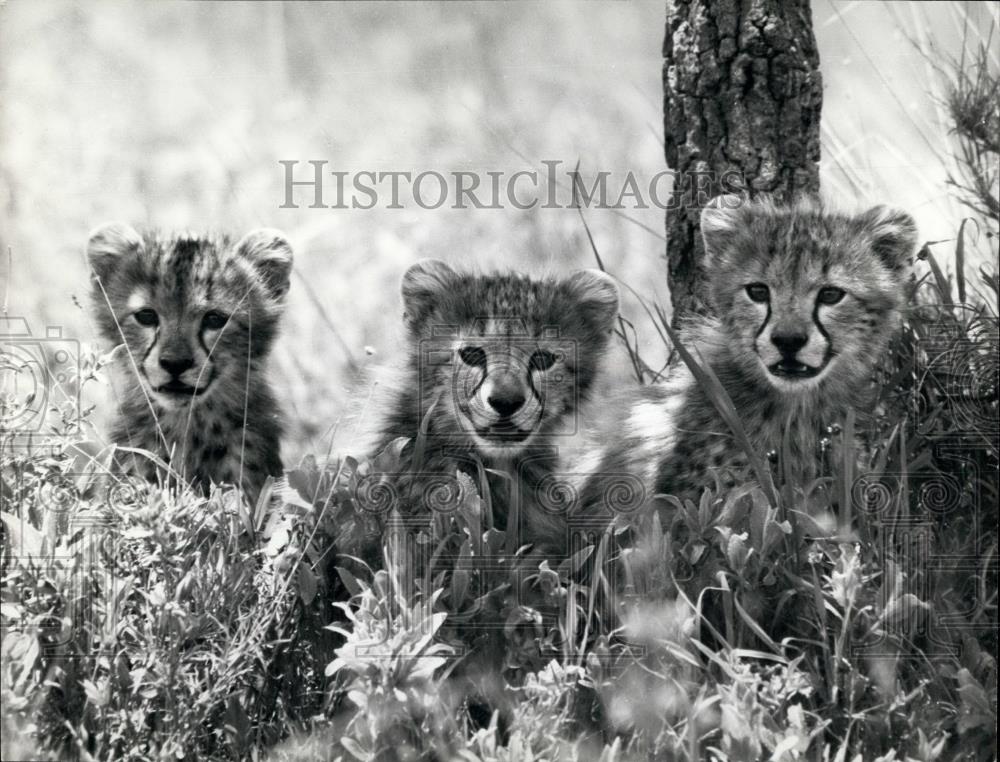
x=176, y=115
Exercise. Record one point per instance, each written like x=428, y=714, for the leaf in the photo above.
x=493, y=540
x=337, y=664
x=960, y=261
x=87, y=462
x=705, y=506
x=420, y=443
x=291, y=498
x=435, y=624
x=22, y=538
x=304, y=477
x=736, y=499
x=574, y=563
x=459, y=587
x=752, y=624
x=358, y=698
x=903, y=613
x=97, y=696
x=237, y=725
x=758, y=521
x=308, y=584
x=470, y=508
x=696, y=551
x=734, y=724
x=548, y=580
x=977, y=710
x=350, y=581
x=774, y=530
x=520, y=615
x=426, y=665
x=22, y=647
x=354, y=748
x=260, y=510
x=736, y=551
x=388, y=461
x=943, y=286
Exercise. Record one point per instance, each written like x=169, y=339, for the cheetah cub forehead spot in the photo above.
x=806, y=294
x=507, y=358
x=191, y=311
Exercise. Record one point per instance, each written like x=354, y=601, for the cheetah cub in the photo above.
x=195, y=317
x=805, y=302
x=497, y=367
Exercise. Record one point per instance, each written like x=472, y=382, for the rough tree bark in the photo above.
x=741, y=108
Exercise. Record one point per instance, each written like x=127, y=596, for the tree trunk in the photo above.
x=741, y=107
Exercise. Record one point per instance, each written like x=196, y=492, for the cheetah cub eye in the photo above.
x=474, y=356
x=758, y=292
x=147, y=317
x=214, y=321
x=542, y=359
x=830, y=295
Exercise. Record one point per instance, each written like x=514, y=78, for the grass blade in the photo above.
x=960, y=261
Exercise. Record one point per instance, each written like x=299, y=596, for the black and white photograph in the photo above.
x=597, y=381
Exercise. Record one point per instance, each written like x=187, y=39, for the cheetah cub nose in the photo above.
x=505, y=395
x=789, y=343
x=506, y=404
x=176, y=366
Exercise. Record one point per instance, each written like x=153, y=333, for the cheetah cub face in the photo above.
x=808, y=297
x=194, y=313
x=503, y=359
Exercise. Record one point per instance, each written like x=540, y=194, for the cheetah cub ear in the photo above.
x=107, y=244
x=424, y=284
x=720, y=222
x=270, y=254
x=597, y=294
x=892, y=235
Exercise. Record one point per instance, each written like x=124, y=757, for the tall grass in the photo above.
x=147, y=623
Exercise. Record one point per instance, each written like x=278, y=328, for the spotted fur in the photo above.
x=497, y=367
x=805, y=302
x=193, y=319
